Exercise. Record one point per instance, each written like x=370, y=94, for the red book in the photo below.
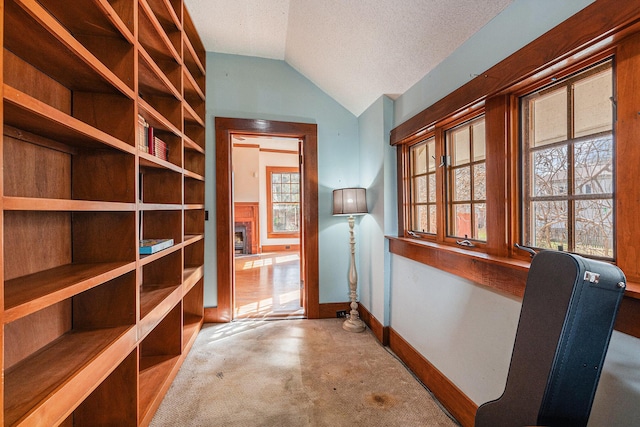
x=152, y=145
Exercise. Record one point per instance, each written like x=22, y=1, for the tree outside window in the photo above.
x=423, y=187
x=466, y=181
x=567, y=164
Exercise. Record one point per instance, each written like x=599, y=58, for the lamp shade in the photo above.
x=349, y=201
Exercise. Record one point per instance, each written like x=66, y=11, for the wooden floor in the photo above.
x=267, y=285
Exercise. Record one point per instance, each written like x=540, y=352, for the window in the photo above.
x=466, y=181
x=422, y=160
x=567, y=164
x=283, y=202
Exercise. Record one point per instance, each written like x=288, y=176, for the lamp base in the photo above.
x=353, y=325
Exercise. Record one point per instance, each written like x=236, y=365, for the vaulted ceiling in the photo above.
x=354, y=50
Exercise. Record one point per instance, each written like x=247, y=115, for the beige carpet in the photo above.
x=294, y=373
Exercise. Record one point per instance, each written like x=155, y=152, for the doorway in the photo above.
x=225, y=129
x=267, y=225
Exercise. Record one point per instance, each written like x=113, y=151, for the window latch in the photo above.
x=465, y=242
x=528, y=249
x=444, y=161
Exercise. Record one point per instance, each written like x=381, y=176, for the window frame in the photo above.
x=573, y=75
x=449, y=170
x=438, y=132
x=269, y=198
x=411, y=176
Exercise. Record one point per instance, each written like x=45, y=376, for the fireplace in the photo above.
x=240, y=239
x=247, y=228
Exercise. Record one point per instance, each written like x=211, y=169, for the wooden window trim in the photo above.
x=448, y=201
x=270, y=232
x=597, y=31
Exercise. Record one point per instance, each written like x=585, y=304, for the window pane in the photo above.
x=420, y=189
x=432, y=219
x=285, y=198
x=593, y=108
x=418, y=155
x=594, y=166
x=431, y=154
x=420, y=219
x=461, y=221
x=594, y=227
x=461, y=184
x=479, y=151
x=479, y=182
x=573, y=179
x=550, y=117
x=460, y=146
x=285, y=217
x=480, y=221
x=549, y=225
x=432, y=187
x=549, y=171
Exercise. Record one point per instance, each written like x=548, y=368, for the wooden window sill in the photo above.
x=502, y=273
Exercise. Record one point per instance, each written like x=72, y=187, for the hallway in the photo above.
x=302, y=373
x=267, y=286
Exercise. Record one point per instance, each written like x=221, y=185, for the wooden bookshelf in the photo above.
x=93, y=332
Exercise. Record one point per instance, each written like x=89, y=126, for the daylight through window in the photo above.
x=466, y=181
x=423, y=186
x=283, y=200
x=567, y=164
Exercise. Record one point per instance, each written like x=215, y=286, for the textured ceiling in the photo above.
x=354, y=50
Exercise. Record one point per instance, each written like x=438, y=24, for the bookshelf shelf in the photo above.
x=153, y=80
x=193, y=175
x=146, y=259
x=189, y=239
x=191, y=275
x=154, y=374
x=189, y=144
x=161, y=353
x=59, y=52
x=191, y=88
x=153, y=36
x=150, y=161
x=155, y=303
x=44, y=204
x=28, y=294
x=92, y=331
x=168, y=13
x=36, y=389
x=22, y=111
x=155, y=118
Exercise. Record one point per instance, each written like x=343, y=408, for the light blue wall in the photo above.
x=467, y=331
x=248, y=87
x=517, y=25
x=378, y=176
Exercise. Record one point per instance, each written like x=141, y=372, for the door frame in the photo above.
x=307, y=133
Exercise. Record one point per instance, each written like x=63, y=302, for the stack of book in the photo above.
x=148, y=142
x=151, y=246
x=159, y=149
x=143, y=132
